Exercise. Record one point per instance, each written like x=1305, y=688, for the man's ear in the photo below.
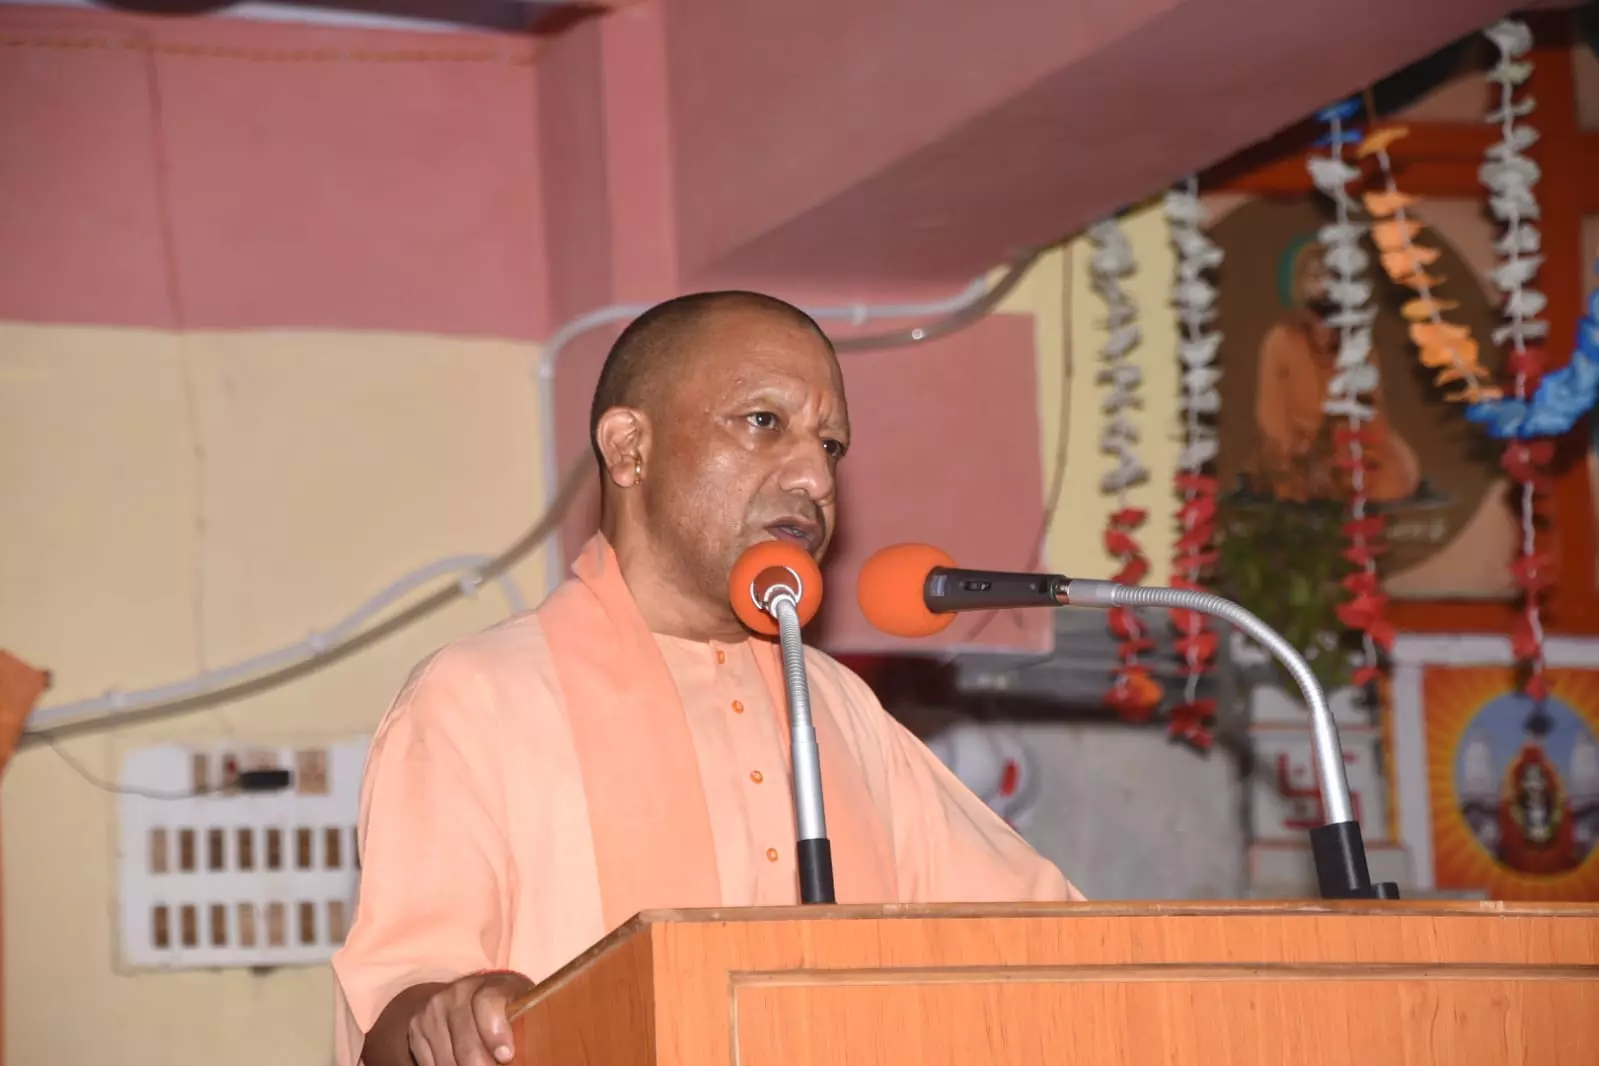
x=623, y=434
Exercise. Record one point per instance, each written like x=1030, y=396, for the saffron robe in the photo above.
x=534, y=786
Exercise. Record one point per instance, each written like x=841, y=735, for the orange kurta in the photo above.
x=535, y=785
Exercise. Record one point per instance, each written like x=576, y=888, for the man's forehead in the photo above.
x=767, y=378
x=738, y=327
x=753, y=346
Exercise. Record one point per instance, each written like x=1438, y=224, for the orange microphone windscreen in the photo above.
x=750, y=570
x=890, y=590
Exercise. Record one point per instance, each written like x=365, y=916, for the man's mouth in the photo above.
x=799, y=531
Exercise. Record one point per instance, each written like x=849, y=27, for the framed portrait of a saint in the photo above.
x=1434, y=476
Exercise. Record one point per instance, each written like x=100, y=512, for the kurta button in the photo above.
x=757, y=776
x=738, y=708
x=721, y=656
x=771, y=854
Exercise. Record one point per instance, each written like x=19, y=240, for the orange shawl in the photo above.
x=651, y=827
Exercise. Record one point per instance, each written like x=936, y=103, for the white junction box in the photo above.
x=210, y=876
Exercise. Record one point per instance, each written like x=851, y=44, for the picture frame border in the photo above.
x=1413, y=655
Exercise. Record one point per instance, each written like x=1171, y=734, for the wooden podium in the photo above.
x=1088, y=984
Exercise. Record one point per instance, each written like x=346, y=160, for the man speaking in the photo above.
x=623, y=747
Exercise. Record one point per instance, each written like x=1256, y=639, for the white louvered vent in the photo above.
x=227, y=878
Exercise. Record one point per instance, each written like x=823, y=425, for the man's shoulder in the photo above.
x=852, y=687
x=818, y=660
x=478, y=672
x=515, y=645
x=870, y=731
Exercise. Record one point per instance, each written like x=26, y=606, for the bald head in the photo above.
x=660, y=344
x=719, y=421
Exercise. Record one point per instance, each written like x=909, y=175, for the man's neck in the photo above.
x=665, y=607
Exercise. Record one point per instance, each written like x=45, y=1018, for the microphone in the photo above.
x=775, y=589
x=914, y=590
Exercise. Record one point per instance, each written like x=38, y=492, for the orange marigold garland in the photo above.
x=1444, y=346
x=1134, y=694
x=1194, y=298
x=1449, y=349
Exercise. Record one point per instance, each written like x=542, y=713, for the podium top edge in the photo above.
x=640, y=924
x=1114, y=909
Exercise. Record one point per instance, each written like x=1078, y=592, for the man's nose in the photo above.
x=809, y=470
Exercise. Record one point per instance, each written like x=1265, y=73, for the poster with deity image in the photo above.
x=1514, y=785
x=1497, y=793
x=1436, y=477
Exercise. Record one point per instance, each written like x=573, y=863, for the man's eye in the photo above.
x=835, y=448
x=763, y=420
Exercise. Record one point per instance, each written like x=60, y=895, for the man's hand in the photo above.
x=462, y=1023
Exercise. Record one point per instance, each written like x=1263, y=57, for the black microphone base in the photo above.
x=1340, y=857
x=816, y=871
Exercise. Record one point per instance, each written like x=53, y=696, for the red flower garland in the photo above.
x=1197, y=642
x=1194, y=301
x=1366, y=608
x=1135, y=694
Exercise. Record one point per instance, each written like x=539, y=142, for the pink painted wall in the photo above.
x=869, y=139
x=228, y=174
x=188, y=174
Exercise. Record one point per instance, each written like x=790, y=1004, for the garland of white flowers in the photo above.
x=1194, y=298
x=1510, y=176
x=1134, y=693
x=1349, y=390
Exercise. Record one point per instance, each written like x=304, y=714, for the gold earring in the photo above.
x=638, y=469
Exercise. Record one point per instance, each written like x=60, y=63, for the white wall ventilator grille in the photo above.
x=209, y=876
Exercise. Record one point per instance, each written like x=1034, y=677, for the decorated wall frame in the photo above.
x=1493, y=796
x=1440, y=162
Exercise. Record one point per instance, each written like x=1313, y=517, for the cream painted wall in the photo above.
x=1077, y=539
x=177, y=502
x=1069, y=333
x=184, y=501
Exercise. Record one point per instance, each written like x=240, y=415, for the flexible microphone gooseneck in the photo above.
x=913, y=590
x=775, y=582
